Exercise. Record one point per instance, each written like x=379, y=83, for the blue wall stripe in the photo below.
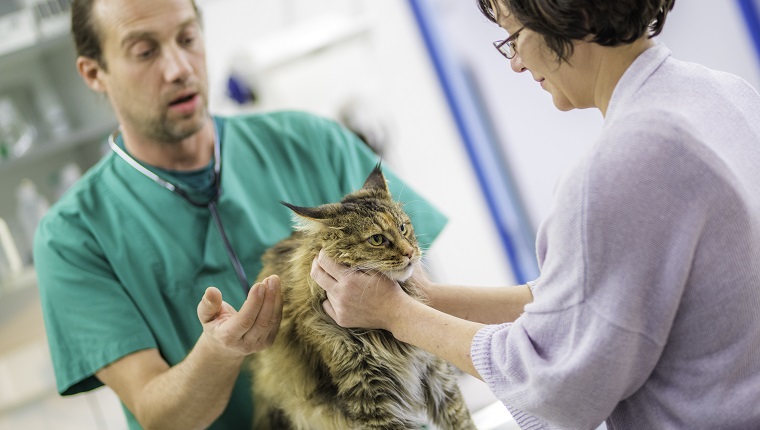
x=751, y=11
x=516, y=236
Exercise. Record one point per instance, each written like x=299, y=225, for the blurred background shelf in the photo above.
x=17, y=293
x=29, y=27
x=33, y=50
x=50, y=147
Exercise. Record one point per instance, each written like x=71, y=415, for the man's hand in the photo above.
x=249, y=330
x=357, y=299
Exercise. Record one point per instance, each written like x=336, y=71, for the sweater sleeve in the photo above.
x=565, y=369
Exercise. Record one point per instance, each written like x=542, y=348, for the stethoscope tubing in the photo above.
x=211, y=205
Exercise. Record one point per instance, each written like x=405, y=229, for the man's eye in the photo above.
x=144, y=50
x=189, y=36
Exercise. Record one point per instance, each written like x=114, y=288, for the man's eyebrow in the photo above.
x=140, y=35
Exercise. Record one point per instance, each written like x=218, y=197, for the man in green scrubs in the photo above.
x=126, y=265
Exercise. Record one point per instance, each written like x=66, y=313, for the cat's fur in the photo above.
x=320, y=376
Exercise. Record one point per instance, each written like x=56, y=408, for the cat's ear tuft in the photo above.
x=315, y=213
x=376, y=180
x=313, y=218
x=305, y=219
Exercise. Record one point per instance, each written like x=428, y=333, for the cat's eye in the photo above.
x=402, y=228
x=377, y=240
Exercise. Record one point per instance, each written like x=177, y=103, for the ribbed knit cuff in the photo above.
x=480, y=350
x=532, y=286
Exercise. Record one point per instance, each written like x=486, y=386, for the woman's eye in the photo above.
x=376, y=240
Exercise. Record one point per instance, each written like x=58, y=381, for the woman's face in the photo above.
x=570, y=83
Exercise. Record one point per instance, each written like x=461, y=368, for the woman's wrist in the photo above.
x=401, y=312
x=426, y=290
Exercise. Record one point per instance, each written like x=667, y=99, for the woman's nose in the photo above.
x=517, y=64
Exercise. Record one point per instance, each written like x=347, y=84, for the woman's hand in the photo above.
x=372, y=301
x=357, y=299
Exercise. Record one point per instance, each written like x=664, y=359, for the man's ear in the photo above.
x=91, y=72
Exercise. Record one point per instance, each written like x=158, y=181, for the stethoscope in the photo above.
x=211, y=204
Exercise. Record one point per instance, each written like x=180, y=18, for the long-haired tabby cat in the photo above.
x=318, y=375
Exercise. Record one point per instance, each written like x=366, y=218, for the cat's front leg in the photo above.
x=446, y=405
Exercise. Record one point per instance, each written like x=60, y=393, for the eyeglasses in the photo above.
x=508, y=46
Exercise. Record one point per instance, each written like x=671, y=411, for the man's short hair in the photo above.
x=86, y=33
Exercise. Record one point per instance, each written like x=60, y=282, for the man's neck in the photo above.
x=192, y=153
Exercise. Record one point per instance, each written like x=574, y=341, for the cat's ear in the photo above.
x=311, y=215
x=376, y=180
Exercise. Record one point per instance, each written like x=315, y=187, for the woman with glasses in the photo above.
x=645, y=312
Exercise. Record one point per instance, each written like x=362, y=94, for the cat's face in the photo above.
x=367, y=230
x=370, y=236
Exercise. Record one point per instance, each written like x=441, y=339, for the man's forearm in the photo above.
x=191, y=394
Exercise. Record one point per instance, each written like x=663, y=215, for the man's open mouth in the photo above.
x=183, y=99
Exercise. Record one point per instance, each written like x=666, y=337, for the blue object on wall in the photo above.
x=751, y=11
x=489, y=163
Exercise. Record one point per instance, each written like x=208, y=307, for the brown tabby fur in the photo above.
x=320, y=376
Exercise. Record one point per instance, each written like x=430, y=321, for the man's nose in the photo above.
x=177, y=65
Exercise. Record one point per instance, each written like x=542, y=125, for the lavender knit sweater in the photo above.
x=647, y=311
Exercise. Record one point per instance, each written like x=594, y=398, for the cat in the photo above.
x=320, y=376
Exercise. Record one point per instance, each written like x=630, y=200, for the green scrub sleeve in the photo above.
x=78, y=279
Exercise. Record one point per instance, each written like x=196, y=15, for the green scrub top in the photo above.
x=123, y=262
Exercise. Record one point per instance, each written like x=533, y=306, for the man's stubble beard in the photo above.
x=172, y=131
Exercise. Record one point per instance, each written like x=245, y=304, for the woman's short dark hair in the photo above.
x=85, y=31
x=609, y=22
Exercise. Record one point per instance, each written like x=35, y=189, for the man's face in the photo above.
x=155, y=74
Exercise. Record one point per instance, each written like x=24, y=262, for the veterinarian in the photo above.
x=645, y=313
x=144, y=267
